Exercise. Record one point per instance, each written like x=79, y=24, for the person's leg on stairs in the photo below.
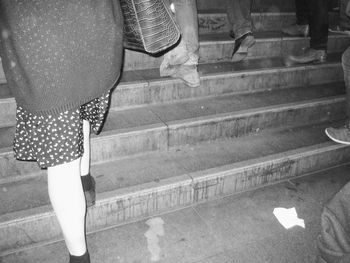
x=181, y=62
x=68, y=201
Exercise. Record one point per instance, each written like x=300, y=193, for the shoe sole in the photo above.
x=336, y=140
x=290, y=62
x=340, y=32
x=242, y=52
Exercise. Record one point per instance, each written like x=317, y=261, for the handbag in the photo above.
x=148, y=25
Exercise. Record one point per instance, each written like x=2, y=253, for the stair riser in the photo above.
x=239, y=82
x=7, y=113
x=209, y=23
x=103, y=148
x=222, y=50
x=173, y=134
x=168, y=90
x=287, y=167
x=218, y=22
x=235, y=126
x=257, y=5
x=177, y=192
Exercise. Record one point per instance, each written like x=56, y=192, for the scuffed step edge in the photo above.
x=39, y=226
x=162, y=136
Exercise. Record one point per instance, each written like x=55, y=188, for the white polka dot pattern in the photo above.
x=53, y=140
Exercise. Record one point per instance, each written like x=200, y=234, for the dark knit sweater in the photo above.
x=60, y=54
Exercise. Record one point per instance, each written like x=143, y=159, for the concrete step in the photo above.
x=218, y=47
x=240, y=228
x=216, y=21
x=213, y=21
x=164, y=126
x=158, y=182
x=145, y=87
x=257, y=5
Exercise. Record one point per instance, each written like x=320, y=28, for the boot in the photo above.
x=186, y=70
x=188, y=74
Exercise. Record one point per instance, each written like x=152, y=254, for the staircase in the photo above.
x=166, y=146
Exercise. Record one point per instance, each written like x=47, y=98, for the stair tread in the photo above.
x=260, y=36
x=231, y=216
x=152, y=167
x=225, y=67
x=146, y=75
x=133, y=79
x=253, y=13
x=219, y=46
x=165, y=145
x=216, y=106
x=258, y=5
x=207, y=108
x=206, y=39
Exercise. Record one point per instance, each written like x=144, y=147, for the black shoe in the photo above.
x=80, y=259
x=309, y=55
x=242, y=46
x=89, y=187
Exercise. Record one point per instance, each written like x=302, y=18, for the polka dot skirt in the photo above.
x=53, y=140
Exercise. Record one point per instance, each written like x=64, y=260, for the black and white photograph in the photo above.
x=174, y=131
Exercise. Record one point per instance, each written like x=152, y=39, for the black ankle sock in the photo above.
x=80, y=259
x=87, y=182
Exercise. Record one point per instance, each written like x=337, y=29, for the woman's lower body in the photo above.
x=61, y=143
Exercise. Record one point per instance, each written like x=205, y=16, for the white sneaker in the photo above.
x=339, y=135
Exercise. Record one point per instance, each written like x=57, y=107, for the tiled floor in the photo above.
x=235, y=229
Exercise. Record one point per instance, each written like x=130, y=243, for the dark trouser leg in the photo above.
x=344, y=21
x=318, y=21
x=346, y=69
x=302, y=12
x=238, y=12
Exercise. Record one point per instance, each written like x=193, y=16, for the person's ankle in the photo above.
x=80, y=259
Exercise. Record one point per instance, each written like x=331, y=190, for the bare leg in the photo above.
x=68, y=201
x=85, y=160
